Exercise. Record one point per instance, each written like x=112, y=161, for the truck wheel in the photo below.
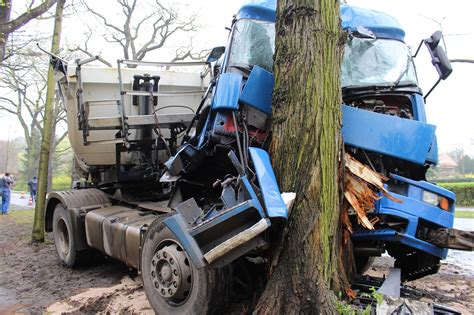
x=64, y=239
x=172, y=283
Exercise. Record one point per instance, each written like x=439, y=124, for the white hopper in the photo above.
x=102, y=84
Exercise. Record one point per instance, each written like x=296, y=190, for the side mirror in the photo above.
x=215, y=53
x=441, y=62
x=434, y=40
x=439, y=59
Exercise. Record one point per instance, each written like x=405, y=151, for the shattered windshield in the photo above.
x=253, y=43
x=376, y=61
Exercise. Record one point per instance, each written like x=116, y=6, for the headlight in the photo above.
x=430, y=198
x=435, y=200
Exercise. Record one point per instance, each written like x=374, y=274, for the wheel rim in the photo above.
x=63, y=239
x=171, y=273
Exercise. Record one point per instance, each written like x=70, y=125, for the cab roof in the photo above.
x=264, y=10
x=381, y=24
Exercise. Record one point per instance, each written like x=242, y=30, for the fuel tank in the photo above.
x=117, y=232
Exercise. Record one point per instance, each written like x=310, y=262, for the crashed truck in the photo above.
x=176, y=181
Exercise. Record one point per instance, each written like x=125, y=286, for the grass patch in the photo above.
x=464, y=214
x=21, y=215
x=457, y=185
x=464, y=192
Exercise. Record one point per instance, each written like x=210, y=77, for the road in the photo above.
x=17, y=200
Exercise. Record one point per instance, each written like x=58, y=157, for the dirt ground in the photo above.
x=33, y=281
x=452, y=286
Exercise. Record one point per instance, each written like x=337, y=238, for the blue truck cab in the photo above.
x=384, y=126
x=224, y=183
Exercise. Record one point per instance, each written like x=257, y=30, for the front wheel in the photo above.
x=172, y=283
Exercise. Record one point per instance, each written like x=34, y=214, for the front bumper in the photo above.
x=415, y=212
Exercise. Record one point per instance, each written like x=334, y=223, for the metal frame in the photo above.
x=125, y=123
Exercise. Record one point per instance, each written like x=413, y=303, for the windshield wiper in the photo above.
x=397, y=81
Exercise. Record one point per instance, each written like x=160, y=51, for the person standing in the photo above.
x=32, y=187
x=7, y=183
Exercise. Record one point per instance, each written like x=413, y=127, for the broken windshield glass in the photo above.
x=376, y=61
x=253, y=43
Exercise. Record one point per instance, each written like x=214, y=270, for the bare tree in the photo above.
x=47, y=135
x=188, y=52
x=24, y=98
x=79, y=51
x=8, y=25
x=138, y=34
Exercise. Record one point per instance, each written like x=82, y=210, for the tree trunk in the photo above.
x=32, y=153
x=306, y=149
x=52, y=147
x=5, y=11
x=8, y=26
x=38, y=225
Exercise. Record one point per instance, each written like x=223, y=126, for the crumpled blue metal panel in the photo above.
x=274, y=203
x=227, y=91
x=420, y=115
x=427, y=186
x=412, y=209
x=258, y=90
x=398, y=137
x=391, y=235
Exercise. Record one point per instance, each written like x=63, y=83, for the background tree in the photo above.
x=138, y=34
x=47, y=134
x=9, y=152
x=305, y=151
x=8, y=25
x=23, y=82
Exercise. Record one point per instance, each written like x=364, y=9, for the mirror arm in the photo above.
x=426, y=96
x=418, y=49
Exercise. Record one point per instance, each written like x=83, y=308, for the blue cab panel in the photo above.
x=227, y=92
x=263, y=10
x=412, y=209
x=381, y=24
x=274, y=203
x=258, y=90
x=398, y=137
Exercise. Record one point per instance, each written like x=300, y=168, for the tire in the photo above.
x=65, y=239
x=206, y=289
x=417, y=264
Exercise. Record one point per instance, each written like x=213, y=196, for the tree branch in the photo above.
x=462, y=60
x=15, y=24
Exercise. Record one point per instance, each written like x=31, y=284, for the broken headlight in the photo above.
x=435, y=200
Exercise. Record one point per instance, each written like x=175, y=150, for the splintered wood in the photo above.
x=361, y=184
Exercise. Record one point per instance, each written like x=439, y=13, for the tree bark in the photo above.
x=38, y=224
x=306, y=153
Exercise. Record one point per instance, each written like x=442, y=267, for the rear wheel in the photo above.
x=65, y=240
x=172, y=283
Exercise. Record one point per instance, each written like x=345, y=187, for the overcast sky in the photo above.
x=450, y=106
